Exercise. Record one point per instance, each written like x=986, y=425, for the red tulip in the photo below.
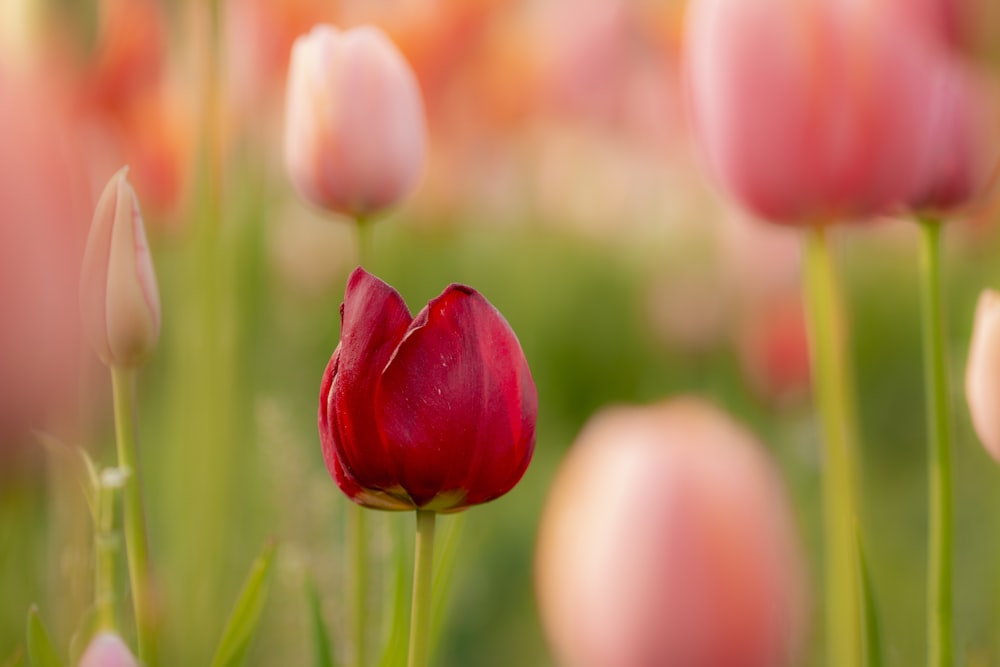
x=432, y=412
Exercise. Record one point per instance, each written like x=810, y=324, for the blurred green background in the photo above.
x=597, y=239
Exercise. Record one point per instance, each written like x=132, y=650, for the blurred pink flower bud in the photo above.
x=964, y=148
x=119, y=299
x=808, y=111
x=107, y=650
x=666, y=540
x=982, y=375
x=355, y=130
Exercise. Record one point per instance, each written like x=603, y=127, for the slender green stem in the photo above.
x=358, y=521
x=364, y=226
x=833, y=392
x=105, y=551
x=133, y=517
x=423, y=571
x=939, y=419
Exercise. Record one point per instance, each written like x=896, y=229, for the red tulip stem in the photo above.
x=133, y=517
x=420, y=611
x=939, y=420
x=358, y=521
x=832, y=387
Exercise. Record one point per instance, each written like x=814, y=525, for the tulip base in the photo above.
x=420, y=611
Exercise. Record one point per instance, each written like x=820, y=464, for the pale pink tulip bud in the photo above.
x=107, y=650
x=119, y=298
x=982, y=375
x=355, y=130
x=667, y=540
x=808, y=111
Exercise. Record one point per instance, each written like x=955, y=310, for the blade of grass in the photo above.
x=41, y=652
x=321, y=638
x=243, y=620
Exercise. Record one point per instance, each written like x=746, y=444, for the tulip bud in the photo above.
x=119, y=299
x=666, y=539
x=107, y=650
x=355, y=130
x=982, y=376
x=806, y=111
x=429, y=412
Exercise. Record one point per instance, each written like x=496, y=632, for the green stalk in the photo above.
x=358, y=518
x=358, y=515
x=420, y=611
x=133, y=517
x=105, y=548
x=832, y=387
x=939, y=419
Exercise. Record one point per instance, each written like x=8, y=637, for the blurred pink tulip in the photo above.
x=982, y=375
x=119, y=298
x=806, y=112
x=44, y=203
x=960, y=166
x=666, y=540
x=355, y=131
x=107, y=650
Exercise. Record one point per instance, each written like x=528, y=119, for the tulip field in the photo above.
x=478, y=333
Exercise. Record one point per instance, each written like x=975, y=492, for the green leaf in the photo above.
x=41, y=652
x=871, y=635
x=246, y=614
x=321, y=639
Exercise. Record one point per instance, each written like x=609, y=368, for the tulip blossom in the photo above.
x=432, y=412
x=119, y=298
x=982, y=376
x=808, y=111
x=964, y=149
x=667, y=540
x=107, y=650
x=355, y=131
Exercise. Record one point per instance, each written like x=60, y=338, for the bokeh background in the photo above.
x=561, y=183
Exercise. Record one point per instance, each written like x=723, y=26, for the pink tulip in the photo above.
x=355, y=131
x=667, y=540
x=982, y=376
x=119, y=298
x=107, y=650
x=964, y=150
x=808, y=111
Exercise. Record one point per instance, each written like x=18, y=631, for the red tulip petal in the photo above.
x=374, y=319
x=456, y=405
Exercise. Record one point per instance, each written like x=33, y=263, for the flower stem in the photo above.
x=133, y=517
x=939, y=419
x=364, y=226
x=105, y=549
x=358, y=521
x=833, y=392
x=420, y=611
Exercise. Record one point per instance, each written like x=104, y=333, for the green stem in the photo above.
x=364, y=226
x=133, y=517
x=833, y=393
x=420, y=611
x=939, y=419
x=105, y=549
x=358, y=518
